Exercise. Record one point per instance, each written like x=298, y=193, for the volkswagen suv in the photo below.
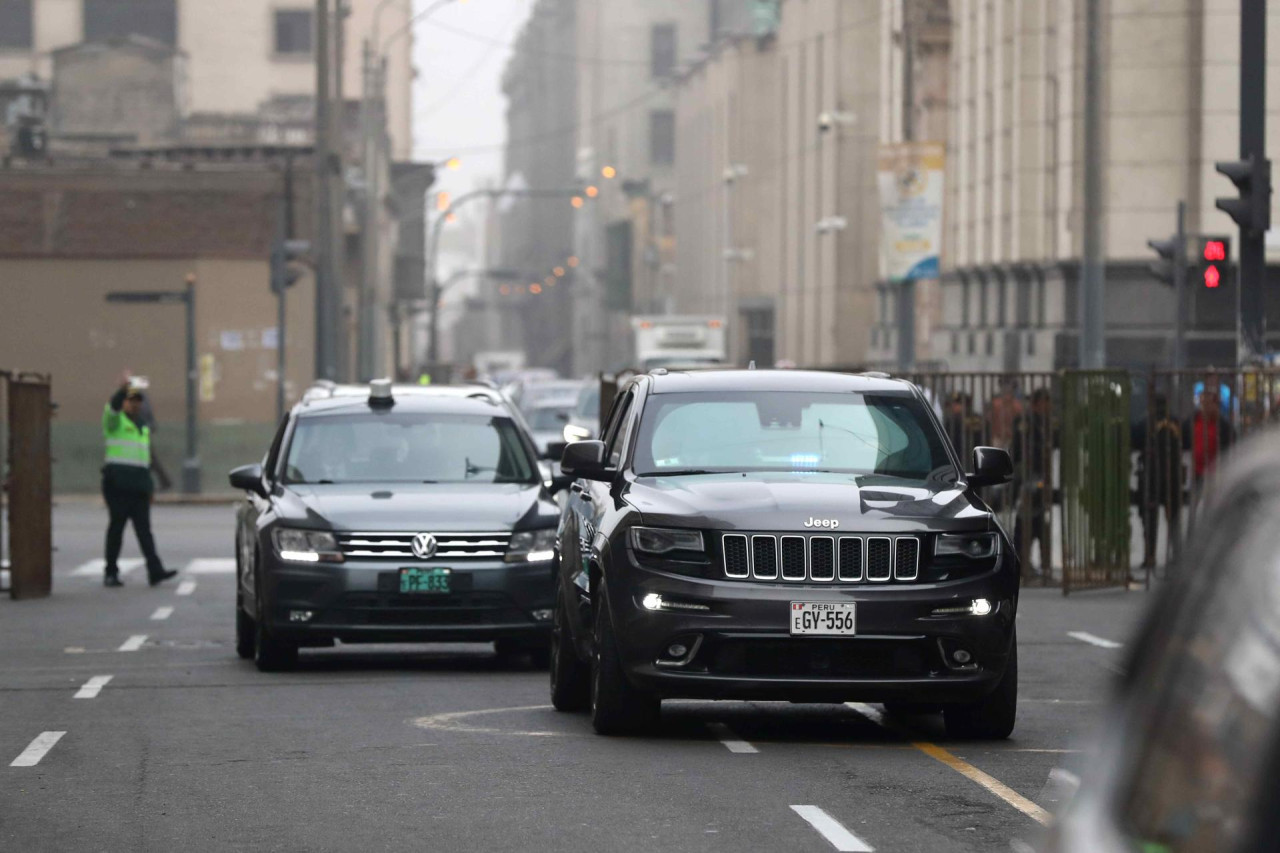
x=782, y=535
x=400, y=514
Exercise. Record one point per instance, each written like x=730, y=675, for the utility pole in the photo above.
x=191, y=463
x=369, y=242
x=1252, y=176
x=1172, y=270
x=1092, y=320
x=907, y=288
x=327, y=301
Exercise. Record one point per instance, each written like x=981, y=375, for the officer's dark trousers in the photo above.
x=125, y=506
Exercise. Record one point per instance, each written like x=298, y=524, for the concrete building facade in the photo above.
x=240, y=56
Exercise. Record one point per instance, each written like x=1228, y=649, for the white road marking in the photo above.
x=831, y=829
x=74, y=650
x=964, y=768
x=36, y=750
x=133, y=643
x=95, y=567
x=186, y=588
x=731, y=741
x=1094, y=640
x=93, y=687
x=219, y=566
x=161, y=614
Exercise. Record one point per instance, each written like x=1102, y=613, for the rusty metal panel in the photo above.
x=30, y=488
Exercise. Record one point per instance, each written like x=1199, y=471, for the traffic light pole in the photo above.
x=1253, y=138
x=1180, y=291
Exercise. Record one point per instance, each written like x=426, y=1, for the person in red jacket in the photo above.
x=1207, y=434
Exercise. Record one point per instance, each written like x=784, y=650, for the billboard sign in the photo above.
x=911, y=184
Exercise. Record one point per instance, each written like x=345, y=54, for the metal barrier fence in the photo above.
x=27, y=502
x=1109, y=466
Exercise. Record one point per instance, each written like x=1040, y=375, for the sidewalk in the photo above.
x=161, y=498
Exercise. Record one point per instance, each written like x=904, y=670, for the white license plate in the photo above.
x=823, y=618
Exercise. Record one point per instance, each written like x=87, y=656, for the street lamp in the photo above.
x=191, y=464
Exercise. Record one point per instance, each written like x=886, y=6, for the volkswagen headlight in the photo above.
x=532, y=546
x=306, y=546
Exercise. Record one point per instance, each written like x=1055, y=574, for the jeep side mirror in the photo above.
x=249, y=479
x=586, y=459
x=991, y=467
x=555, y=451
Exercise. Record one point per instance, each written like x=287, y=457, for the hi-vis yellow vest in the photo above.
x=127, y=443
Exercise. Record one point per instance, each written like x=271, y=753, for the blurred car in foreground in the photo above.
x=1188, y=756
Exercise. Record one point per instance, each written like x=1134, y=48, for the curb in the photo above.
x=165, y=499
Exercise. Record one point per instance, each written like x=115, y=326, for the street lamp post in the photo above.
x=433, y=248
x=187, y=296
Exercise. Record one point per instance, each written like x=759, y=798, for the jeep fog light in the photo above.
x=980, y=607
x=961, y=656
x=654, y=601
x=300, y=615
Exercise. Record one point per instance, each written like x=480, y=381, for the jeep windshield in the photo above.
x=883, y=433
x=408, y=447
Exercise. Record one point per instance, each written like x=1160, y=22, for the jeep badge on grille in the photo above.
x=828, y=523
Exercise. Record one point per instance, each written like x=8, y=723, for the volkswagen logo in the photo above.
x=424, y=546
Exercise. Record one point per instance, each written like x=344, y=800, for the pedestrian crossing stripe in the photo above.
x=95, y=568
x=217, y=566
x=202, y=566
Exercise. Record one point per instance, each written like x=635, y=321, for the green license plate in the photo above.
x=428, y=581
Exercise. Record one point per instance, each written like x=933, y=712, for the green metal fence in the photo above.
x=1095, y=469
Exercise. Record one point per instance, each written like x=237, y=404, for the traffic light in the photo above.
x=1214, y=261
x=1252, y=177
x=287, y=257
x=1165, y=269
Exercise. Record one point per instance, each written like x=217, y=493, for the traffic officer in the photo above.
x=126, y=479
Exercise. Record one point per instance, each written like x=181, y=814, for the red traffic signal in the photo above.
x=1215, y=253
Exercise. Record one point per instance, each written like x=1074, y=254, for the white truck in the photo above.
x=679, y=341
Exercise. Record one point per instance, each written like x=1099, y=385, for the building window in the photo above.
x=153, y=19
x=991, y=344
x=16, y=30
x=662, y=137
x=662, y=50
x=971, y=344
x=955, y=344
x=1031, y=343
x=875, y=337
x=293, y=32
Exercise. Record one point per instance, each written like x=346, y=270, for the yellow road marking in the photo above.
x=957, y=764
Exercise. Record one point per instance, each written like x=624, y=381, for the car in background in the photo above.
x=546, y=424
x=531, y=394
x=788, y=536
x=1188, y=755
x=394, y=514
x=584, y=422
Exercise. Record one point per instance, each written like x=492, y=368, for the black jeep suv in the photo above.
x=782, y=535
x=398, y=514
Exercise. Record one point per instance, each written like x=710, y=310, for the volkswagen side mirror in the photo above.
x=249, y=479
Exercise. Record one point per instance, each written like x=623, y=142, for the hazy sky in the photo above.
x=458, y=102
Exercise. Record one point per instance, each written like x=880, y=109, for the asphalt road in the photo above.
x=187, y=748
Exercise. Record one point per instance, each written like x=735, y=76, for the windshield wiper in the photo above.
x=682, y=472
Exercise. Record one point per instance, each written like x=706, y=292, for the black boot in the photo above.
x=112, y=582
x=165, y=574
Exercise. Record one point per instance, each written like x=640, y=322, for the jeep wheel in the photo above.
x=570, y=677
x=992, y=717
x=617, y=707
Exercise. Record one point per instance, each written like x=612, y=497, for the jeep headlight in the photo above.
x=532, y=546
x=663, y=540
x=975, y=546
x=306, y=546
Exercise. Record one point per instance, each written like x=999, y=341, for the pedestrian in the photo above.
x=126, y=480
x=1158, y=441
x=1035, y=439
x=1207, y=434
